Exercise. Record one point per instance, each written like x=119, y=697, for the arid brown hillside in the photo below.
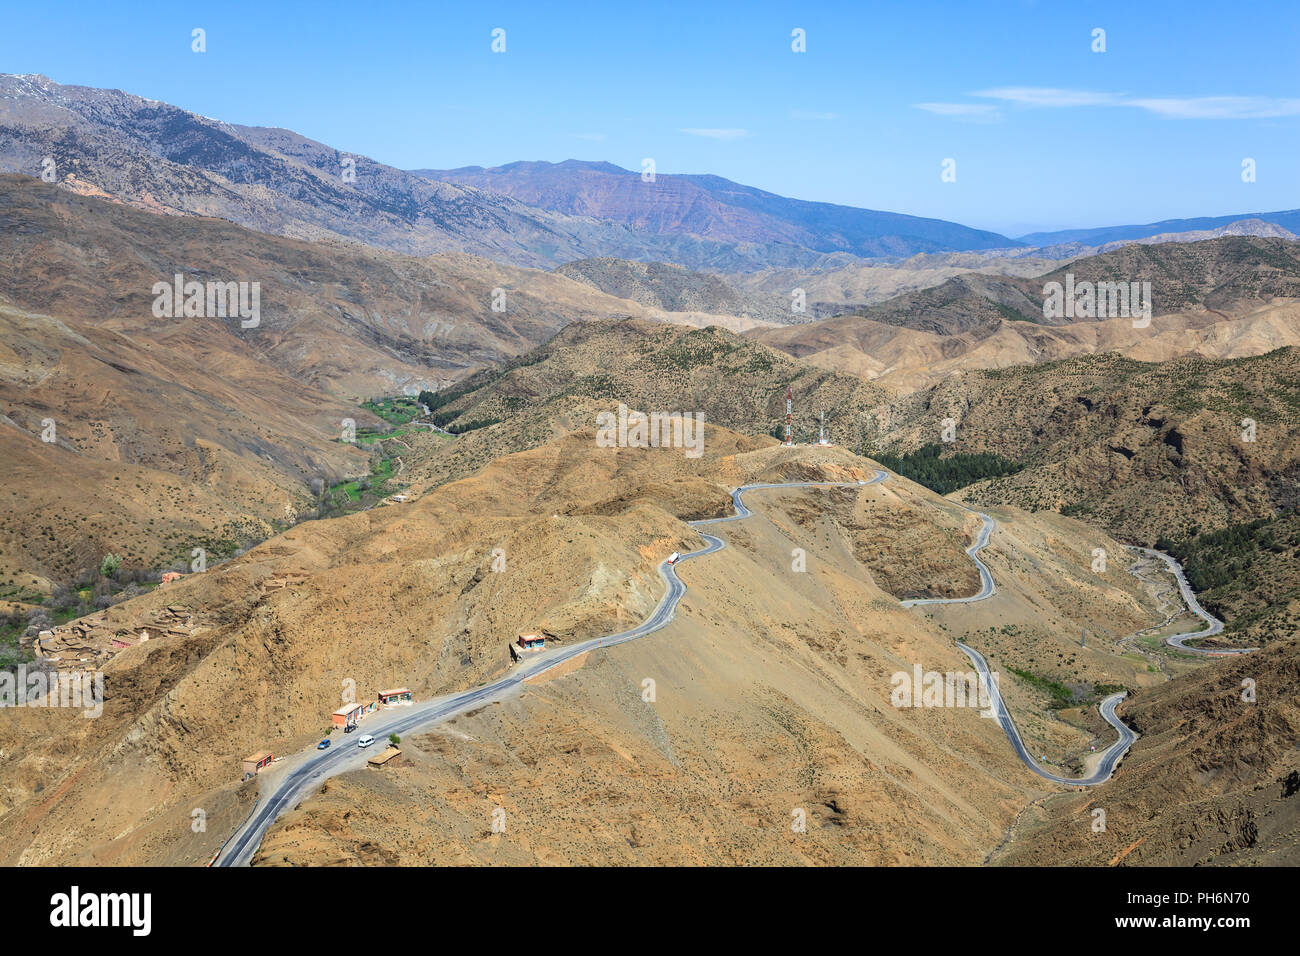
x=847, y=288
x=768, y=700
x=773, y=684
x=355, y=321
x=1223, y=298
x=160, y=443
x=1143, y=449
x=1147, y=451
x=904, y=360
x=172, y=432
x=729, y=379
x=1214, y=274
x=838, y=289
x=1151, y=452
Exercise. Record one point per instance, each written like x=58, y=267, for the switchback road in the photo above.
x=1189, y=598
x=1109, y=758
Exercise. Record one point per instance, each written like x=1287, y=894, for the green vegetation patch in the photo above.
x=395, y=411
x=944, y=475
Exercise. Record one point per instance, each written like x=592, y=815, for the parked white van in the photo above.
x=365, y=741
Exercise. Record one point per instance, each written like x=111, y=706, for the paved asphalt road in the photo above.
x=1109, y=758
x=314, y=766
x=1216, y=626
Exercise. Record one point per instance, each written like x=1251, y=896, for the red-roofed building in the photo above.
x=351, y=713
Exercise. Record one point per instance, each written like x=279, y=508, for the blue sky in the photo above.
x=1045, y=132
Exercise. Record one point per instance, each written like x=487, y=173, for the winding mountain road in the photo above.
x=315, y=766
x=1110, y=757
x=1189, y=597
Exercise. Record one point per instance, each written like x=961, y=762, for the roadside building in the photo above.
x=347, y=714
x=351, y=713
x=391, y=757
x=257, y=761
x=398, y=695
x=532, y=642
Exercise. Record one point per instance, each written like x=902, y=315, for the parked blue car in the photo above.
x=323, y=745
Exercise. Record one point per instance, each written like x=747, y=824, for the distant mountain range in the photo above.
x=161, y=158
x=659, y=285
x=1289, y=221
x=1184, y=275
x=715, y=208
x=1221, y=298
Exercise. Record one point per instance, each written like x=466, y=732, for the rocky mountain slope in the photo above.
x=354, y=319
x=850, y=287
x=1221, y=298
x=217, y=431
x=789, y=671
x=837, y=289
x=728, y=379
x=1152, y=452
x=1214, y=274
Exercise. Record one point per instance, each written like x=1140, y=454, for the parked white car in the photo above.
x=365, y=741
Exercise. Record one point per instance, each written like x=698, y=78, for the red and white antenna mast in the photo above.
x=789, y=404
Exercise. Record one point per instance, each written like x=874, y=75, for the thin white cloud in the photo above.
x=1169, y=107
x=1046, y=96
x=976, y=112
x=723, y=134
x=1219, y=107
